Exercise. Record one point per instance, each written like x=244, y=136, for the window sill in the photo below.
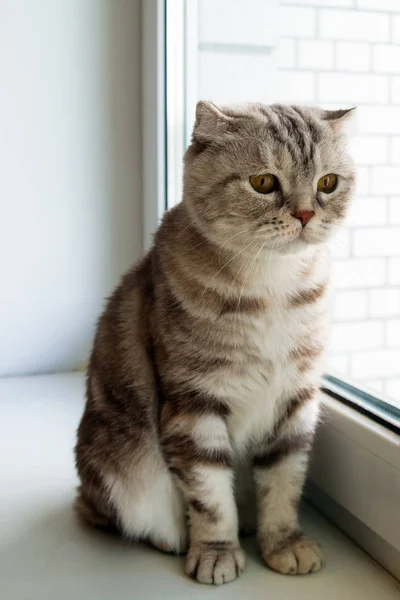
x=47, y=554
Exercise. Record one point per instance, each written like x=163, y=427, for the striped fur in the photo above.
x=208, y=356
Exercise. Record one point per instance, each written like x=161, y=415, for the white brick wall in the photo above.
x=366, y=211
x=394, y=271
x=378, y=363
x=241, y=72
x=392, y=389
x=340, y=3
x=351, y=88
x=225, y=22
x=353, y=25
x=334, y=53
x=295, y=86
x=386, y=58
x=316, y=54
x=297, y=22
x=384, y=302
x=340, y=363
x=374, y=119
x=363, y=179
x=396, y=30
x=382, y=241
x=385, y=180
x=394, y=211
x=395, y=150
x=285, y=54
x=356, y=273
x=390, y=5
x=353, y=56
x=395, y=91
x=370, y=150
x=357, y=336
x=350, y=305
x=393, y=333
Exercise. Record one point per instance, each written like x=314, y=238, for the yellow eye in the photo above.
x=265, y=183
x=327, y=183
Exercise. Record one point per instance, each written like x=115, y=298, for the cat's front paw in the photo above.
x=299, y=557
x=215, y=564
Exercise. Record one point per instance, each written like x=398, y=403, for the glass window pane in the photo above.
x=306, y=53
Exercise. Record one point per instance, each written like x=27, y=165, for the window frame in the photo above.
x=368, y=443
x=355, y=467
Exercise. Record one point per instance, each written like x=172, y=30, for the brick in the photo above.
x=315, y=54
x=338, y=363
x=349, y=306
x=382, y=241
x=370, y=365
x=356, y=336
x=365, y=211
x=352, y=56
x=395, y=150
x=370, y=150
x=392, y=389
x=358, y=273
x=386, y=58
x=378, y=119
x=285, y=54
x=352, y=88
x=390, y=5
x=394, y=211
x=394, y=271
x=373, y=385
x=393, y=334
x=385, y=180
x=319, y=2
x=384, y=303
x=396, y=29
x=354, y=25
x=395, y=90
x=294, y=86
x=243, y=68
x=295, y=21
x=362, y=182
x=339, y=245
x=233, y=22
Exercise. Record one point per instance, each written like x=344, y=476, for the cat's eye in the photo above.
x=265, y=183
x=327, y=183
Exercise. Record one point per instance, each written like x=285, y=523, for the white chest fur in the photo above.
x=256, y=387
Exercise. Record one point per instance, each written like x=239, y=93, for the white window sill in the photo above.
x=46, y=554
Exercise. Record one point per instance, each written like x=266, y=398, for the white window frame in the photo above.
x=153, y=117
x=354, y=478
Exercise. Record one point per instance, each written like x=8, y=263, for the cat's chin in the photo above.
x=299, y=245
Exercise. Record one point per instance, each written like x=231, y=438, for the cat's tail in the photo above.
x=90, y=514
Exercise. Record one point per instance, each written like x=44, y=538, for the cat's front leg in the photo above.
x=198, y=450
x=279, y=472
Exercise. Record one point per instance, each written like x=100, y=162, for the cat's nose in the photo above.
x=304, y=216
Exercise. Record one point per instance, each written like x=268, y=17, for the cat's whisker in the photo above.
x=223, y=267
x=242, y=289
x=240, y=269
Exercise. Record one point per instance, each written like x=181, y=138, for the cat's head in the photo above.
x=278, y=175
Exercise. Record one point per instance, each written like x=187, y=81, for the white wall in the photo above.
x=70, y=168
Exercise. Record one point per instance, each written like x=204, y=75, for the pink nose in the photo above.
x=304, y=216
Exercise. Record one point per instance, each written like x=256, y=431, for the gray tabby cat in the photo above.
x=208, y=357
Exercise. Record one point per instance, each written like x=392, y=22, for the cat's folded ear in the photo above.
x=343, y=120
x=211, y=124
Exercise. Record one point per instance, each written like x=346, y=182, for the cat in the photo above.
x=208, y=357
